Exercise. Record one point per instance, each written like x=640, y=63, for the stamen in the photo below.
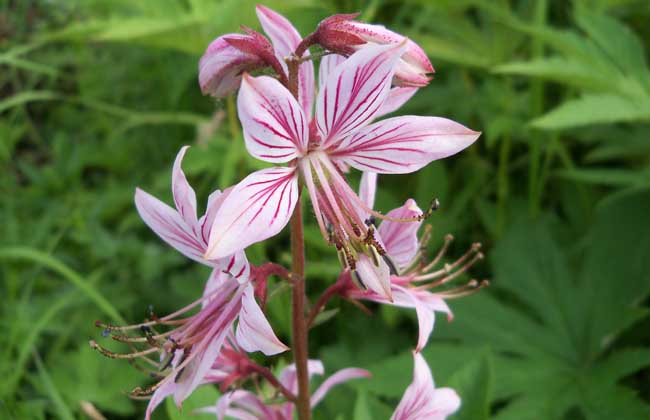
x=356, y=278
x=112, y=355
x=448, y=240
x=448, y=269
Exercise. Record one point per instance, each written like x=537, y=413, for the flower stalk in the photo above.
x=300, y=340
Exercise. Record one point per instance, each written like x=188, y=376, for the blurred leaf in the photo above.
x=203, y=396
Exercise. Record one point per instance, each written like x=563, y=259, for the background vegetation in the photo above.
x=98, y=96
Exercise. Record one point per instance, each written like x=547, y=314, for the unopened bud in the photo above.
x=343, y=35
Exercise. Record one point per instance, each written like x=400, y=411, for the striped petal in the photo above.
x=375, y=277
x=254, y=333
x=403, y=144
x=355, y=91
x=256, y=209
x=285, y=39
x=339, y=377
x=275, y=127
x=397, y=97
x=400, y=238
x=169, y=225
x=421, y=400
x=327, y=66
x=184, y=196
x=368, y=188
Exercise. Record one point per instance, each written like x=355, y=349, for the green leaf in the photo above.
x=203, y=396
x=473, y=382
x=361, y=409
x=595, y=109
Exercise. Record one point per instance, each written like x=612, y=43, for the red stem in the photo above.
x=299, y=327
x=329, y=293
x=270, y=377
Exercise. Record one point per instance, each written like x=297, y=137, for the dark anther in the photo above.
x=435, y=204
x=391, y=264
x=106, y=332
x=371, y=221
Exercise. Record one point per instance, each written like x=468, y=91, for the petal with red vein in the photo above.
x=403, y=144
x=327, y=66
x=397, y=97
x=169, y=225
x=256, y=209
x=275, y=127
x=355, y=91
x=400, y=238
x=285, y=39
x=254, y=333
x=339, y=377
x=184, y=196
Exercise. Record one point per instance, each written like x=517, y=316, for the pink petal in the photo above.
x=408, y=298
x=285, y=39
x=339, y=377
x=368, y=188
x=158, y=396
x=327, y=66
x=421, y=400
x=403, y=144
x=214, y=203
x=400, y=238
x=397, y=97
x=170, y=226
x=221, y=66
x=355, y=90
x=288, y=376
x=375, y=278
x=254, y=332
x=275, y=127
x=256, y=209
x=184, y=196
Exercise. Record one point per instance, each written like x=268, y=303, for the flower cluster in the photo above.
x=315, y=134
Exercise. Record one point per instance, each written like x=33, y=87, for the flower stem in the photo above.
x=298, y=321
x=299, y=327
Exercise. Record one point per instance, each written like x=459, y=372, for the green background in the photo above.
x=98, y=96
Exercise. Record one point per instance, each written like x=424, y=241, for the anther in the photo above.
x=371, y=221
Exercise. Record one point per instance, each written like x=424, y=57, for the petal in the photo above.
x=368, y=188
x=288, y=376
x=445, y=402
x=158, y=396
x=408, y=298
x=418, y=396
x=254, y=333
x=170, y=226
x=403, y=144
x=400, y=238
x=275, y=127
x=221, y=66
x=285, y=39
x=327, y=66
x=397, y=97
x=184, y=196
x=375, y=278
x=256, y=209
x=355, y=90
x=214, y=203
x=339, y=377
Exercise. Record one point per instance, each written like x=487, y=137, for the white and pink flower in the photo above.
x=320, y=149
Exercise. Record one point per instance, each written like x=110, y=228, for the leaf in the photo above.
x=62, y=409
x=473, y=382
x=203, y=396
x=595, y=109
x=361, y=409
x=610, y=177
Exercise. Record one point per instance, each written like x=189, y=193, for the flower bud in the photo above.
x=227, y=57
x=343, y=35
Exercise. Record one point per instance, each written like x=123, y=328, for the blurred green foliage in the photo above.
x=98, y=96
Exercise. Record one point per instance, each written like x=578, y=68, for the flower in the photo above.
x=421, y=401
x=343, y=35
x=188, y=350
x=245, y=405
x=339, y=136
x=408, y=269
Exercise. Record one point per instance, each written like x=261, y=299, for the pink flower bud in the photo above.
x=343, y=35
x=227, y=57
